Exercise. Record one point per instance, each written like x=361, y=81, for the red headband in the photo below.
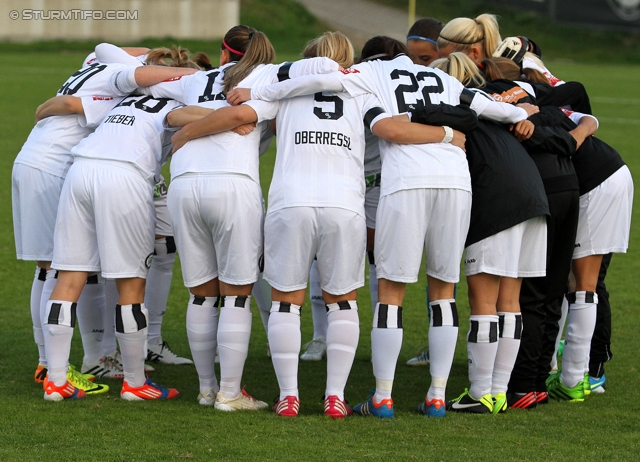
x=236, y=52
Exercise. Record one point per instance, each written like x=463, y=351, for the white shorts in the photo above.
x=412, y=219
x=605, y=217
x=217, y=225
x=163, y=220
x=516, y=252
x=295, y=235
x=35, y=196
x=371, y=200
x=105, y=221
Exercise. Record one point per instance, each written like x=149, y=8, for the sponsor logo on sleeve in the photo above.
x=351, y=70
x=102, y=98
x=173, y=79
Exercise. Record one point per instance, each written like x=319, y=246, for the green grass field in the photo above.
x=605, y=427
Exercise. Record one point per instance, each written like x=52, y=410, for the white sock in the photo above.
x=131, y=331
x=261, y=293
x=91, y=319
x=373, y=282
x=284, y=341
x=234, y=331
x=202, y=331
x=59, y=321
x=109, y=344
x=510, y=326
x=581, y=322
x=318, y=308
x=343, y=333
x=158, y=288
x=47, y=290
x=564, y=309
x=443, y=336
x=36, y=318
x=386, y=342
x=482, y=347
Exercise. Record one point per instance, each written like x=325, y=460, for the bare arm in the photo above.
x=397, y=130
x=187, y=114
x=222, y=120
x=586, y=127
x=59, y=105
x=150, y=75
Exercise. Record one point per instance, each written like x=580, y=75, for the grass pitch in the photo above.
x=107, y=428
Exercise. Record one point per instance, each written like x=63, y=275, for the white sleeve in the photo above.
x=576, y=116
x=123, y=82
x=171, y=88
x=320, y=65
x=265, y=110
x=96, y=109
x=165, y=122
x=305, y=85
x=486, y=108
x=108, y=53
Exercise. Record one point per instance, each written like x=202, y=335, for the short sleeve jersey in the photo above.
x=132, y=132
x=229, y=152
x=320, y=151
x=48, y=147
x=402, y=85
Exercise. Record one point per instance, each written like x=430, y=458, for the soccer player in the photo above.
x=409, y=216
x=478, y=38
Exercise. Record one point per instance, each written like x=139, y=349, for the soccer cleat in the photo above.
x=421, y=359
x=542, y=397
x=517, y=400
x=336, y=408
x=383, y=409
x=41, y=374
x=597, y=384
x=81, y=382
x=316, y=350
x=433, y=408
x=162, y=354
x=586, y=384
x=243, y=402
x=207, y=397
x=148, y=391
x=287, y=407
x=559, y=391
x=500, y=403
x=467, y=403
x=66, y=391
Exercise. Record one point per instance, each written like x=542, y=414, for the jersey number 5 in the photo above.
x=338, y=109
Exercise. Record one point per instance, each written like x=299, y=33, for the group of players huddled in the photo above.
x=456, y=141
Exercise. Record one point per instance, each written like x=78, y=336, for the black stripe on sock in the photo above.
x=171, y=244
x=399, y=317
x=436, y=314
x=42, y=274
x=473, y=332
x=372, y=260
x=74, y=306
x=92, y=279
x=54, y=313
x=240, y=301
x=518, y=334
x=199, y=300
x=493, y=332
x=454, y=314
x=383, y=313
x=141, y=321
x=589, y=297
x=285, y=307
x=344, y=305
x=119, y=323
x=500, y=325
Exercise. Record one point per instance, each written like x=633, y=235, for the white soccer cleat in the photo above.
x=421, y=359
x=162, y=354
x=109, y=366
x=207, y=397
x=242, y=402
x=316, y=350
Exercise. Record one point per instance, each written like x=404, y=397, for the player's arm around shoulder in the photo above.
x=59, y=105
x=399, y=129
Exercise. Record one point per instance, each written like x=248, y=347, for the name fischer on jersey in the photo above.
x=120, y=119
x=332, y=138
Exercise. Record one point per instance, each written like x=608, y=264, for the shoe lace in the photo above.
x=78, y=378
x=247, y=395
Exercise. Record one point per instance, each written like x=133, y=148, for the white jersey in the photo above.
x=229, y=152
x=132, y=133
x=320, y=151
x=401, y=86
x=48, y=147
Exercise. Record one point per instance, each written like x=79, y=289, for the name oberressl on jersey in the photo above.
x=132, y=133
x=320, y=142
